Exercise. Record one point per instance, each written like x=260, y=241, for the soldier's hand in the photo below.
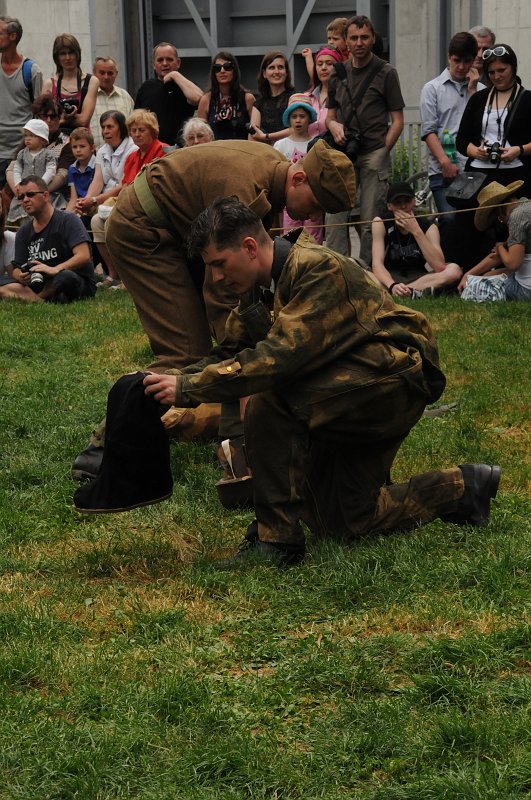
x=162, y=387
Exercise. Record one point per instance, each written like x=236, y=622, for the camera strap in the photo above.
x=511, y=113
x=341, y=72
x=60, y=83
x=82, y=87
x=512, y=103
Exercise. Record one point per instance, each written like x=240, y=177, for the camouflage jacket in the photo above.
x=333, y=330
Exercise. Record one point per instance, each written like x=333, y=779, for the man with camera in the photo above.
x=52, y=252
x=362, y=104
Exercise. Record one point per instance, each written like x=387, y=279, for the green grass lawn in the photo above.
x=396, y=668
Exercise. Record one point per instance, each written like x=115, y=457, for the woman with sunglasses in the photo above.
x=75, y=90
x=495, y=132
x=227, y=105
x=275, y=88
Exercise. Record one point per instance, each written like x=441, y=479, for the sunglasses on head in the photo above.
x=495, y=51
x=22, y=195
x=227, y=66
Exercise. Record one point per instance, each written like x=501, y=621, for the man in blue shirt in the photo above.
x=442, y=102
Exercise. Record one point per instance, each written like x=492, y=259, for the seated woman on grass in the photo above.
x=510, y=259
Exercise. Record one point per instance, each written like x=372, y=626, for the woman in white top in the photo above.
x=110, y=161
x=108, y=176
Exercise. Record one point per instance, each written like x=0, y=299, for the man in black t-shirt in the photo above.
x=52, y=252
x=406, y=252
x=171, y=96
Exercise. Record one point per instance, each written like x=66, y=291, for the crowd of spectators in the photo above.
x=86, y=138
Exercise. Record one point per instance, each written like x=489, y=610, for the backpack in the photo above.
x=27, y=64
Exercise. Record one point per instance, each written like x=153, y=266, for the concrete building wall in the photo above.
x=95, y=23
x=421, y=30
x=419, y=51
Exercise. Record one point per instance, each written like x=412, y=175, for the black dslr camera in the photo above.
x=69, y=104
x=36, y=278
x=351, y=148
x=353, y=145
x=493, y=151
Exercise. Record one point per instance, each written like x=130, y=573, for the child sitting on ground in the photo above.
x=81, y=172
x=298, y=116
x=33, y=159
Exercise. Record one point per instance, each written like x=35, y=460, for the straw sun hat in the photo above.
x=489, y=198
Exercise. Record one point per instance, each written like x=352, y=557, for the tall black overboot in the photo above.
x=135, y=469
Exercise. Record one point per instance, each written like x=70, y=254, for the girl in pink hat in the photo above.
x=297, y=117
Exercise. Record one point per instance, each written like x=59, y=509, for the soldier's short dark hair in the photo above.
x=360, y=21
x=463, y=45
x=13, y=26
x=224, y=223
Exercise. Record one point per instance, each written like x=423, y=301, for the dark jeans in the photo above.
x=438, y=186
x=70, y=286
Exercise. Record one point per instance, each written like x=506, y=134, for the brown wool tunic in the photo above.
x=179, y=310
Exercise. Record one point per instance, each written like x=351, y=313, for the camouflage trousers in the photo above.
x=326, y=464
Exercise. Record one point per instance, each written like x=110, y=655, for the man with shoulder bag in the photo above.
x=362, y=103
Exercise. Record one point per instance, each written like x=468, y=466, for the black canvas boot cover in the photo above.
x=135, y=469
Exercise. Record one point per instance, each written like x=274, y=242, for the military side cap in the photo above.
x=331, y=177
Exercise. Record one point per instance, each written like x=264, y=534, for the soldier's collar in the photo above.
x=281, y=250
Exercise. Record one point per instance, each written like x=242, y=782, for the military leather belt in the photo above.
x=149, y=205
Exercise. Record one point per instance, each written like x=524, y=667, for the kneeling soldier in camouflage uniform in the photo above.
x=336, y=384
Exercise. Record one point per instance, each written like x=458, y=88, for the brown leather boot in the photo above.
x=199, y=424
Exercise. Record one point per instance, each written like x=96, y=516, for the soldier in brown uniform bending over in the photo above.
x=147, y=229
x=336, y=385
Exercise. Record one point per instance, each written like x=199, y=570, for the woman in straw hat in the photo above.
x=511, y=259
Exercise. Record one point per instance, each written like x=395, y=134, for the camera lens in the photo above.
x=36, y=282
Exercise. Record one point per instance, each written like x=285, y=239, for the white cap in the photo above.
x=38, y=127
